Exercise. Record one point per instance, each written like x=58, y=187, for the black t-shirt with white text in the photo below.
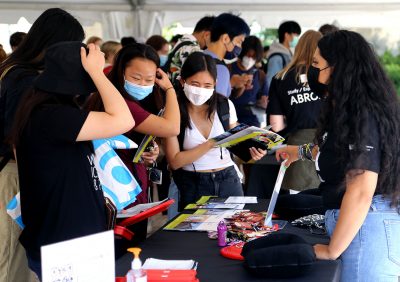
x=332, y=172
x=61, y=196
x=295, y=101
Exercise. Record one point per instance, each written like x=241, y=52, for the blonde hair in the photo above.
x=303, y=55
x=110, y=48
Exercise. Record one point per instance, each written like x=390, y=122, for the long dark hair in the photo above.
x=358, y=90
x=31, y=101
x=196, y=62
x=52, y=26
x=154, y=102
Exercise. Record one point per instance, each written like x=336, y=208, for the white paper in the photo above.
x=89, y=258
x=138, y=209
x=152, y=263
x=241, y=200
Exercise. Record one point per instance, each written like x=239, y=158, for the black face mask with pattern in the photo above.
x=317, y=87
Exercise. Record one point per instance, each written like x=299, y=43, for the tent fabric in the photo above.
x=142, y=18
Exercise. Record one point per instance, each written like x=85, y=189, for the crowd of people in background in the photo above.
x=324, y=91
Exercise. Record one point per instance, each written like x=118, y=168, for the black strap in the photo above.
x=167, y=65
x=223, y=115
x=219, y=62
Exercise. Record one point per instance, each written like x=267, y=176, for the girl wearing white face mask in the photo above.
x=199, y=167
x=137, y=76
x=254, y=90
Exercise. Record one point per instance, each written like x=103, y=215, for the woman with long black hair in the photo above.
x=17, y=73
x=356, y=153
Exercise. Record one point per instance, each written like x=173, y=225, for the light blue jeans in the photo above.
x=374, y=254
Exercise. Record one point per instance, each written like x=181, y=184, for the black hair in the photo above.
x=328, y=28
x=228, y=24
x=288, y=27
x=195, y=63
x=175, y=38
x=152, y=103
x=128, y=40
x=252, y=43
x=204, y=24
x=157, y=42
x=358, y=90
x=16, y=38
x=53, y=26
x=266, y=48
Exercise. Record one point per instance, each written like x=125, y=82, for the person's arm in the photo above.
x=116, y=118
x=177, y=158
x=169, y=124
x=277, y=122
x=353, y=211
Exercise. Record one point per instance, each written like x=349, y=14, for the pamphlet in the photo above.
x=145, y=143
x=212, y=202
x=241, y=200
x=241, y=138
x=201, y=220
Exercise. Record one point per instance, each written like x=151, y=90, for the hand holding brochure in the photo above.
x=241, y=138
x=145, y=143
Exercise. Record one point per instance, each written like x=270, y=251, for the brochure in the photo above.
x=241, y=200
x=212, y=202
x=201, y=220
x=147, y=140
x=241, y=138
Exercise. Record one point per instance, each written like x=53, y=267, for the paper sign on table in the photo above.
x=89, y=258
x=241, y=200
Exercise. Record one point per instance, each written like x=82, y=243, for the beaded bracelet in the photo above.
x=305, y=151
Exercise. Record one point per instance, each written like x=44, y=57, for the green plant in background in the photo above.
x=391, y=63
x=267, y=36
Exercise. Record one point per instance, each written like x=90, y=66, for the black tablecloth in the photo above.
x=214, y=267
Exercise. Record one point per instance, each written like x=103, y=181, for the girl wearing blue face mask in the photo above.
x=137, y=76
x=201, y=169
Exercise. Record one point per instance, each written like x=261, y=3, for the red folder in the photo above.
x=147, y=213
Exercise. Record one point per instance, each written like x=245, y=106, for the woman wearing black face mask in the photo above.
x=356, y=155
x=294, y=109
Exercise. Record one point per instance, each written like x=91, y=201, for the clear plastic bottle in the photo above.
x=137, y=273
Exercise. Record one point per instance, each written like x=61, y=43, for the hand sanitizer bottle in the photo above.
x=137, y=273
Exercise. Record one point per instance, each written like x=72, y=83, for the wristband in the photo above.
x=305, y=151
x=166, y=90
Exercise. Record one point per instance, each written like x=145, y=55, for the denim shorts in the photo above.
x=374, y=254
x=192, y=185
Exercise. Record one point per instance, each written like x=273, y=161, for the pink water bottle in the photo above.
x=221, y=230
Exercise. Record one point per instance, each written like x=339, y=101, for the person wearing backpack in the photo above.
x=227, y=35
x=199, y=167
x=280, y=53
x=186, y=45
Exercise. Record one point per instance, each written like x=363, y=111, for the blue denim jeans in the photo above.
x=374, y=254
x=192, y=185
